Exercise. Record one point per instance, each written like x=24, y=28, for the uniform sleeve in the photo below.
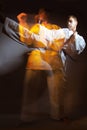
x=80, y=43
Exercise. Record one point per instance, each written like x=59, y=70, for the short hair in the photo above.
x=74, y=17
x=42, y=14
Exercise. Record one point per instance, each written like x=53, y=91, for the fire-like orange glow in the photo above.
x=46, y=56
